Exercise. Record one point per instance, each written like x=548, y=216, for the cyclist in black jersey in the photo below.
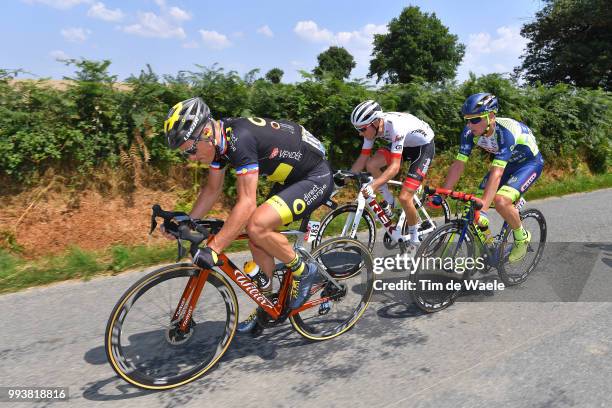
x=281, y=150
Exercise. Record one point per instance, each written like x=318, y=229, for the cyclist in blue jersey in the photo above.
x=517, y=163
x=283, y=151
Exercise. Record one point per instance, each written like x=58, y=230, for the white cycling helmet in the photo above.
x=365, y=113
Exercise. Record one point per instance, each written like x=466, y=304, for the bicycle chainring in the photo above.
x=263, y=318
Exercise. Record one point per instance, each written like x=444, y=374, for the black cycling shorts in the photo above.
x=420, y=158
x=300, y=198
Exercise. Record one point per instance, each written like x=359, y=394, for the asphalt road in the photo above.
x=546, y=343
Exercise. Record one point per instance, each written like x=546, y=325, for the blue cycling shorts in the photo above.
x=517, y=177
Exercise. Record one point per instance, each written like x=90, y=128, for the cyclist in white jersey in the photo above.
x=409, y=138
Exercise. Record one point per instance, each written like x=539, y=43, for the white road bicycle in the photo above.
x=358, y=219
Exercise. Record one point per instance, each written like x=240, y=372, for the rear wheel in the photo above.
x=514, y=273
x=344, y=304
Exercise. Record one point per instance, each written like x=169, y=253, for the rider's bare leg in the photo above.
x=374, y=166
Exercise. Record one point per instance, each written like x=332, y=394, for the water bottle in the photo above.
x=386, y=208
x=487, y=235
x=257, y=276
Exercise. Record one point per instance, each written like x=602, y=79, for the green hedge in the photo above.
x=76, y=130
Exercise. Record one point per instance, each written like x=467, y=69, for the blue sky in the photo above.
x=173, y=35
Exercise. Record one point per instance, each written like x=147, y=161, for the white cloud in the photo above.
x=486, y=53
x=357, y=42
x=151, y=25
x=59, y=55
x=265, y=30
x=190, y=44
x=75, y=34
x=58, y=4
x=310, y=31
x=179, y=14
x=215, y=40
x=508, y=39
x=237, y=34
x=99, y=11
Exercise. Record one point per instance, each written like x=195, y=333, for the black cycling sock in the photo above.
x=296, y=266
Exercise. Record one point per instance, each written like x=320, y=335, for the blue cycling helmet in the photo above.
x=479, y=103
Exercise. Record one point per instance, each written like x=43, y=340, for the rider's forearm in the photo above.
x=234, y=225
x=206, y=199
x=359, y=163
x=454, y=174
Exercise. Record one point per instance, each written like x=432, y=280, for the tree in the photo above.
x=275, y=75
x=336, y=61
x=417, y=45
x=571, y=42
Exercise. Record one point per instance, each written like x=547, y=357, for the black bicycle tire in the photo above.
x=139, y=288
x=297, y=322
x=415, y=297
x=501, y=270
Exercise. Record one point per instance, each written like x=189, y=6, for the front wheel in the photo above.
x=341, y=221
x=147, y=349
x=345, y=304
x=441, y=267
x=514, y=273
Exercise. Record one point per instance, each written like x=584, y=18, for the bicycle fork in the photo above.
x=189, y=299
x=420, y=213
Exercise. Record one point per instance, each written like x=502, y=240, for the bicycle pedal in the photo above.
x=257, y=330
x=324, y=308
x=425, y=225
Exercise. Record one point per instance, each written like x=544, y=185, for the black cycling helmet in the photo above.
x=185, y=121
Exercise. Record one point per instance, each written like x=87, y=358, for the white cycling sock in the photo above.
x=384, y=190
x=414, y=232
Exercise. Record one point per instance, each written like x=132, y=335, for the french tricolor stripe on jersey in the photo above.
x=248, y=169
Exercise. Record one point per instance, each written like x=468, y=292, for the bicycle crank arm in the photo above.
x=320, y=268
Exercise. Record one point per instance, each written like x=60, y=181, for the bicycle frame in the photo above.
x=379, y=214
x=492, y=255
x=277, y=311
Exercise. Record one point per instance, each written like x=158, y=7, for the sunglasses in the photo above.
x=476, y=119
x=192, y=150
x=363, y=128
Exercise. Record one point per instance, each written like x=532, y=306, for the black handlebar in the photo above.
x=183, y=227
x=341, y=176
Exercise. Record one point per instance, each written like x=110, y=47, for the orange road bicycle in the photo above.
x=174, y=324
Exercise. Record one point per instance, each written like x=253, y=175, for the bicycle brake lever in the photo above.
x=181, y=250
x=153, y=224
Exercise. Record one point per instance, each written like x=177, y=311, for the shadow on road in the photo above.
x=265, y=347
